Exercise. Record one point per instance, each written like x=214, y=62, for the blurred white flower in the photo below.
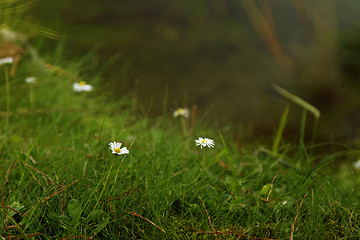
x=357, y=164
x=7, y=60
x=82, y=87
x=182, y=112
x=116, y=149
x=30, y=80
x=8, y=35
x=205, y=142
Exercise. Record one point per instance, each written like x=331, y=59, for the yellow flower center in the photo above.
x=82, y=83
x=203, y=141
x=117, y=150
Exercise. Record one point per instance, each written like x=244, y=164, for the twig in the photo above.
x=297, y=213
x=212, y=226
x=137, y=215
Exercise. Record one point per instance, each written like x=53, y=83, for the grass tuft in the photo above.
x=59, y=180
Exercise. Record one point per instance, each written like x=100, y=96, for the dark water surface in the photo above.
x=209, y=54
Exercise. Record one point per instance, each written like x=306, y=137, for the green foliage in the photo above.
x=59, y=179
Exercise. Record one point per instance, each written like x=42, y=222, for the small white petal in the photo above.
x=82, y=87
x=205, y=142
x=183, y=112
x=357, y=164
x=115, y=148
x=30, y=80
x=6, y=60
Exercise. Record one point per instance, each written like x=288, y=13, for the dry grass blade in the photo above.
x=297, y=214
x=12, y=227
x=28, y=236
x=207, y=213
x=229, y=232
x=34, y=111
x=38, y=171
x=266, y=32
x=36, y=179
x=272, y=185
x=61, y=72
x=31, y=158
x=8, y=172
x=3, y=207
x=126, y=194
x=137, y=215
x=47, y=32
x=57, y=191
x=62, y=188
x=74, y=237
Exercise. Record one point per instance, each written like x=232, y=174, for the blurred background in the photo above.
x=223, y=56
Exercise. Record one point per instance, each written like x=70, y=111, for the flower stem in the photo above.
x=183, y=126
x=106, y=180
x=203, y=162
x=7, y=85
x=117, y=173
x=31, y=95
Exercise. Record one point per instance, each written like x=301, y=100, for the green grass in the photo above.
x=59, y=180
x=56, y=180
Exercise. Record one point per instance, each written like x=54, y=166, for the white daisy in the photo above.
x=116, y=149
x=7, y=60
x=30, y=80
x=183, y=112
x=205, y=142
x=82, y=87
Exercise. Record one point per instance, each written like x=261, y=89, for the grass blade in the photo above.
x=280, y=130
x=297, y=100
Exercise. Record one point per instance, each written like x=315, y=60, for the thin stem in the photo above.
x=183, y=125
x=8, y=99
x=106, y=180
x=117, y=173
x=31, y=95
x=303, y=126
x=203, y=162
